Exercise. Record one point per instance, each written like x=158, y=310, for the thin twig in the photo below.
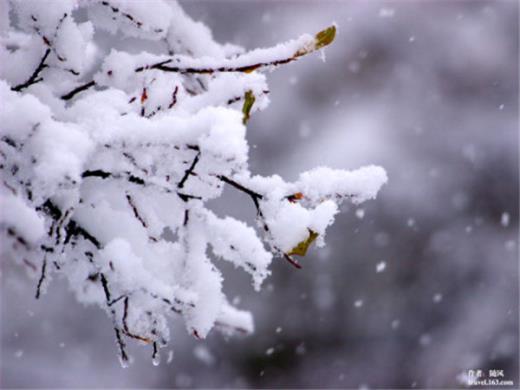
x=240, y=187
x=42, y=277
x=69, y=95
x=35, y=76
x=189, y=171
x=136, y=212
x=292, y=261
x=163, y=66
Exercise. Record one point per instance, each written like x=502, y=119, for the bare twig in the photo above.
x=189, y=171
x=42, y=277
x=136, y=212
x=120, y=342
x=35, y=76
x=240, y=187
x=292, y=261
x=69, y=95
x=174, y=97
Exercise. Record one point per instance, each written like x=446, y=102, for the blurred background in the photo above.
x=412, y=289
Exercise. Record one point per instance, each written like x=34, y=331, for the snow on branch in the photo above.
x=248, y=62
x=268, y=58
x=109, y=158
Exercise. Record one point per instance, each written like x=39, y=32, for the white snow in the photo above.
x=238, y=243
x=360, y=185
x=386, y=12
x=203, y=354
x=510, y=245
x=150, y=19
x=380, y=267
x=395, y=324
x=169, y=359
x=425, y=340
x=20, y=217
x=504, y=219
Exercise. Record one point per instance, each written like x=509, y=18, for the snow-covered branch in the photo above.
x=109, y=158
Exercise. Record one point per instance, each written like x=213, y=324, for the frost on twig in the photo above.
x=108, y=161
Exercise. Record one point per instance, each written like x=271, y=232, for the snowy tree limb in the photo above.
x=107, y=181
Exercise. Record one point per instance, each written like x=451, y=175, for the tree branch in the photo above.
x=42, y=277
x=69, y=95
x=72, y=229
x=163, y=66
x=136, y=212
x=321, y=39
x=138, y=181
x=256, y=199
x=240, y=187
x=189, y=171
x=35, y=76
